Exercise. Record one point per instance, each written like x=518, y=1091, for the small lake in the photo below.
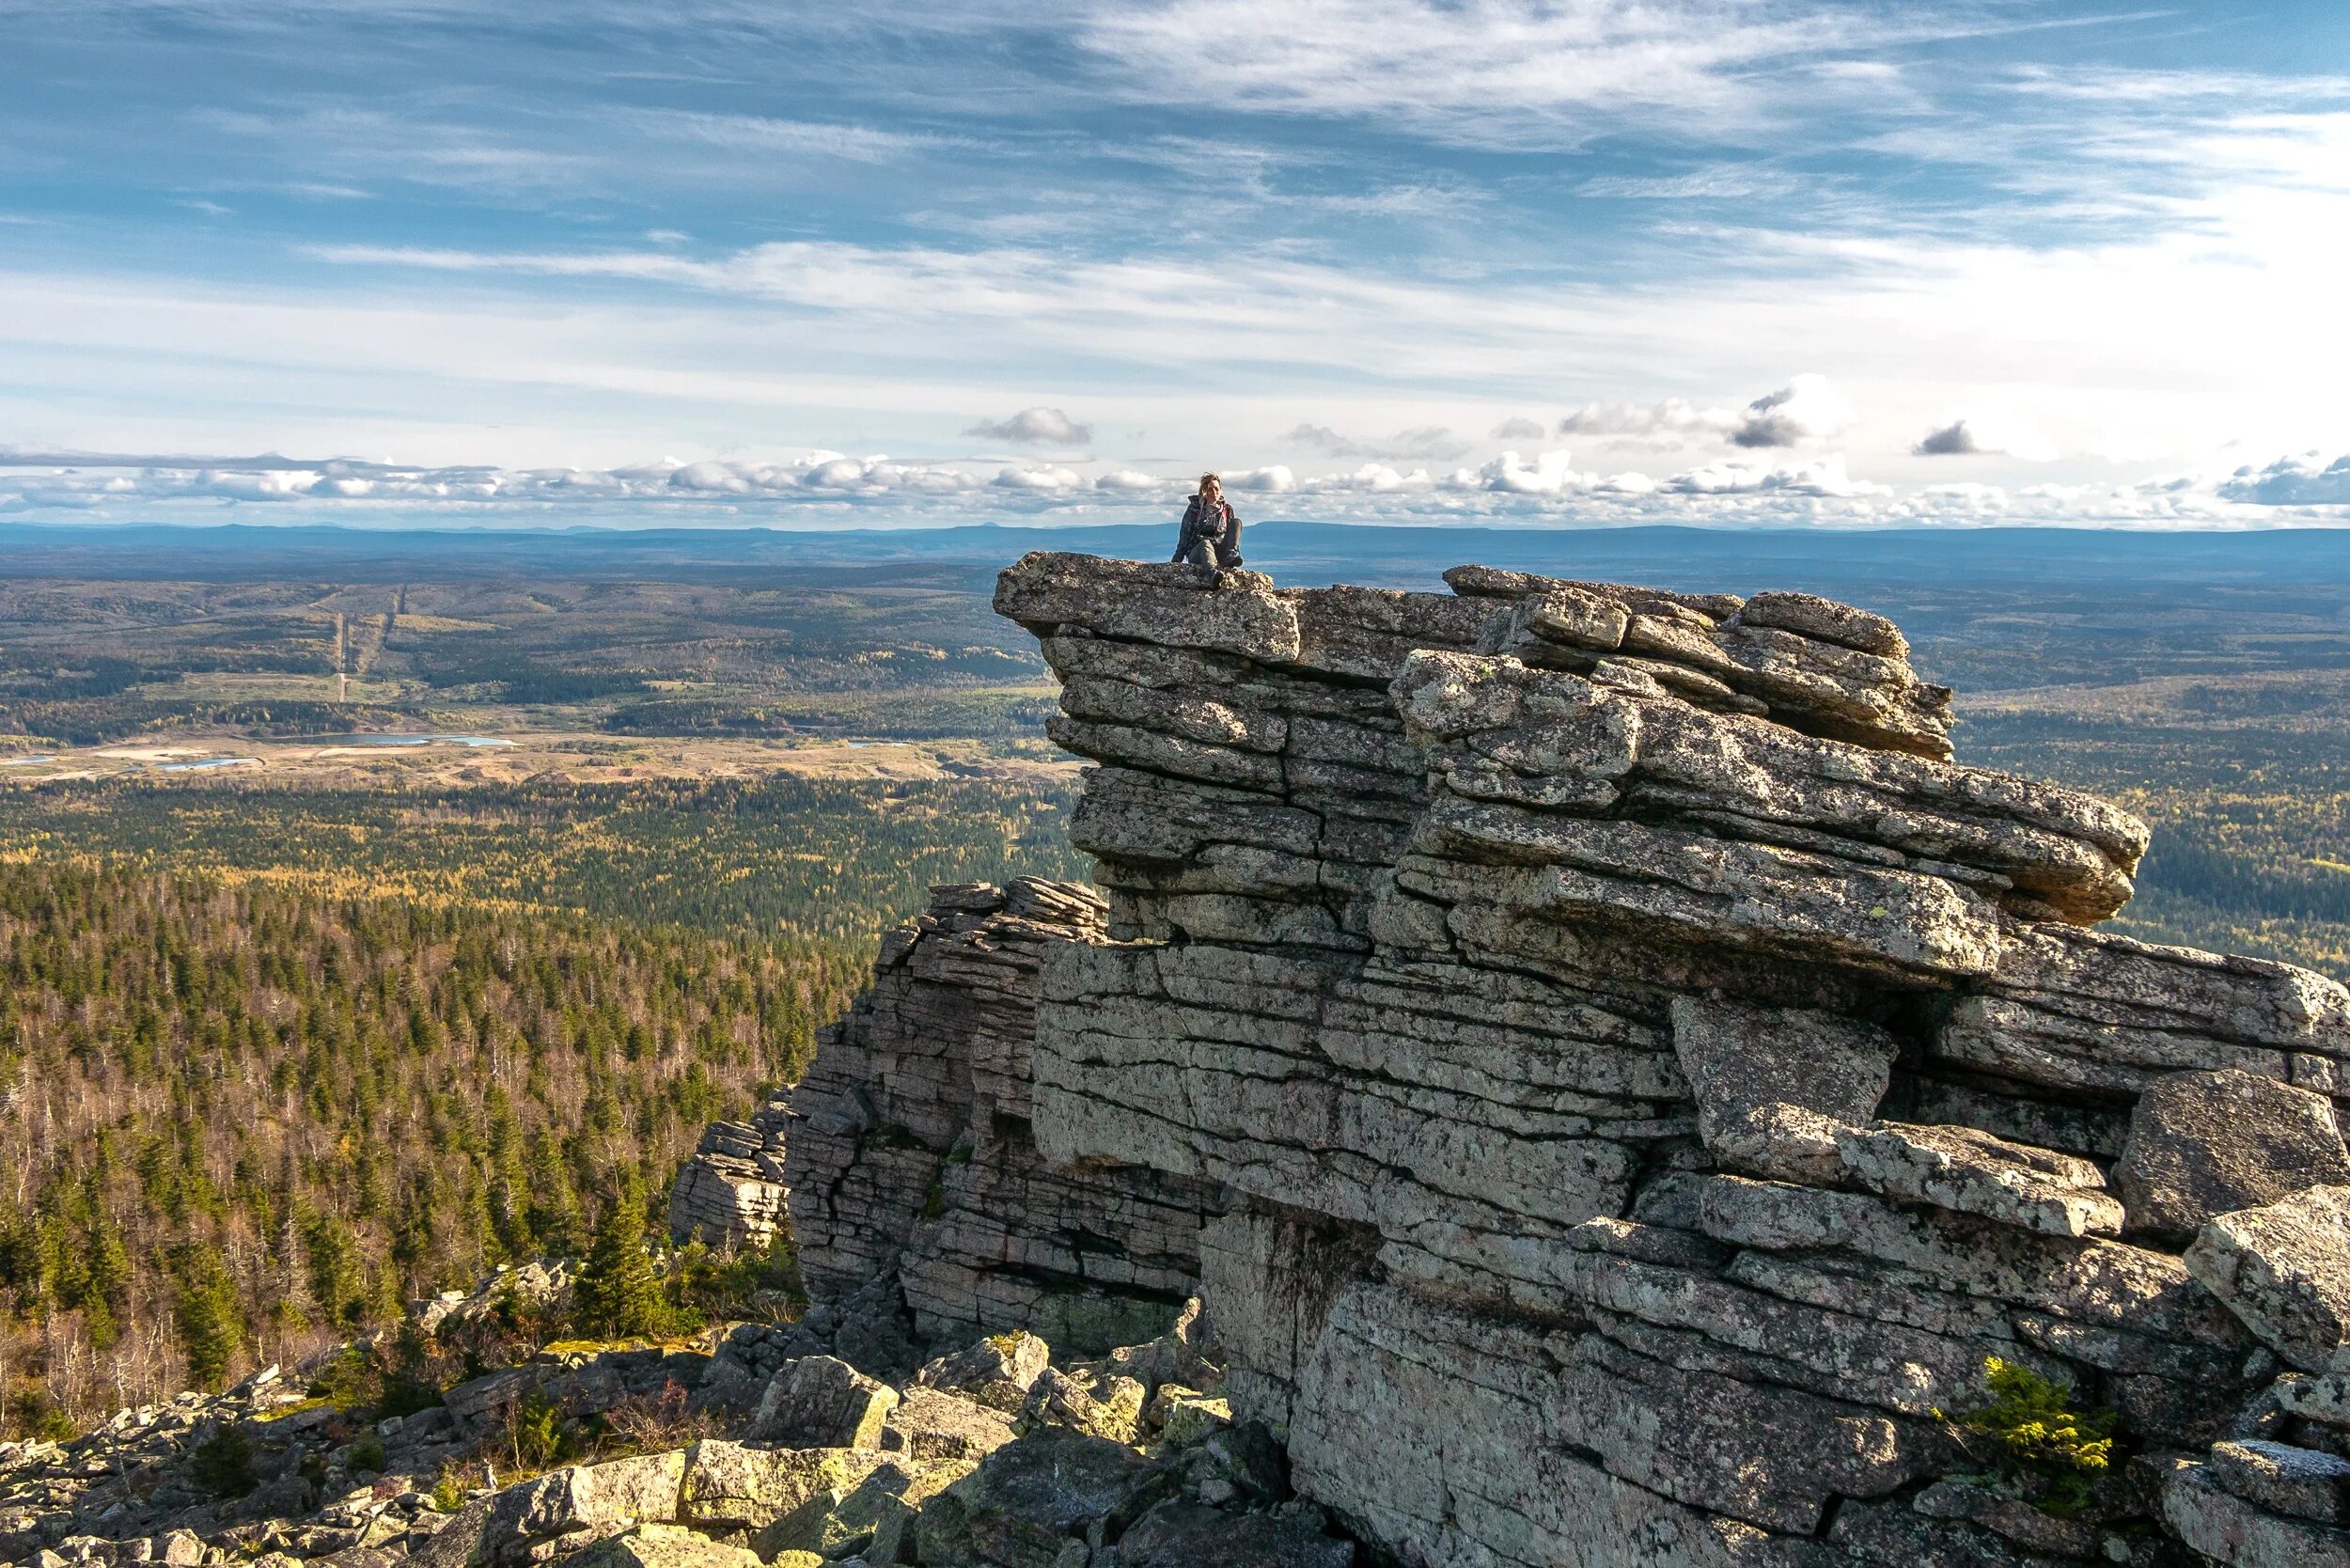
x=25, y=761
x=398, y=740
x=207, y=765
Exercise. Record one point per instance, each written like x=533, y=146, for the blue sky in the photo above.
x=719, y=261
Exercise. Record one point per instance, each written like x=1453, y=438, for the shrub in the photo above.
x=368, y=1457
x=536, y=1433
x=223, y=1462
x=2048, y=1452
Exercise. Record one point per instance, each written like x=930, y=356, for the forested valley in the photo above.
x=243, y=1121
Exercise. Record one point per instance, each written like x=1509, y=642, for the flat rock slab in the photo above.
x=665, y=1546
x=2230, y=1530
x=1973, y=1173
x=2284, y=1269
x=1773, y=1084
x=2304, y=1483
x=2206, y=1144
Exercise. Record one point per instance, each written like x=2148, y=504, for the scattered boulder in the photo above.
x=2232, y=1530
x=1180, y=1534
x=819, y=1402
x=932, y=1424
x=2284, y=1270
x=733, y=1485
x=2204, y=1144
x=1101, y=1407
x=1029, y=1500
x=998, y=1370
x=665, y=1546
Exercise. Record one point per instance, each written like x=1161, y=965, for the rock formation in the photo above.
x=1633, y=1082
x=908, y=1149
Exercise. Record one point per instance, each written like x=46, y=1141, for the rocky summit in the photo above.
x=1552, y=1075
x=1630, y=1096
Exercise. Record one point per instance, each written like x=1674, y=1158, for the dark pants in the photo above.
x=1216, y=552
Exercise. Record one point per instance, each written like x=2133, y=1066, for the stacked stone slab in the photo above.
x=730, y=1194
x=908, y=1152
x=1650, y=1079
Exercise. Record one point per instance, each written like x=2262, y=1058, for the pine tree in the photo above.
x=204, y=1308
x=617, y=1295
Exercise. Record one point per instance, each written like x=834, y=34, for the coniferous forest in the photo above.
x=243, y=1121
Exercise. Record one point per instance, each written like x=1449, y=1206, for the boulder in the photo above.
x=2229, y=1529
x=1109, y=1406
x=998, y=1371
x=1773, y=1084
x=819, y=1402
x=664, y=1547
x=736, y=1486
x=2204, y=1144
x=2301, y=1483
x=2284, y=1270
x=1180, y=1534
x=1028, y=1501
x=1974, y=1173
x=932, y=1424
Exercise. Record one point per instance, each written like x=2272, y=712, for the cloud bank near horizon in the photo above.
x=1543, y=487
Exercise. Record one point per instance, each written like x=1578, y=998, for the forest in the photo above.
x=318, y=1107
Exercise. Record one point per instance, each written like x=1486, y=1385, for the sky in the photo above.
x=1731, y=262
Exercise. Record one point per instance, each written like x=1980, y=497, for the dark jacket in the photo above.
x=1222, y=526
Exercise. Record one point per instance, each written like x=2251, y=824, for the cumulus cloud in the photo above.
x=1806, y=409
x=1429, y=444
x=1549, y=473
x=1820, y=477
x=2292, y=481
x=1518, y=428
x=1133, y=482
x=1048, y=478
x=1674, y=422
x=1036, y=427
x=1275, y=479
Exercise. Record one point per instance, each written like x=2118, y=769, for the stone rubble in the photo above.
x=831, y=1468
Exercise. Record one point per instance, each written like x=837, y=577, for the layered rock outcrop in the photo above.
x=908, y=1150
x=1647, y=1081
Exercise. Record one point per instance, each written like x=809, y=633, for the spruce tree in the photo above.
x=204, y=1309
x=617, y=1295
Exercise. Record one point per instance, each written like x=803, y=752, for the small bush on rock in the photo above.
x=2048, y=1452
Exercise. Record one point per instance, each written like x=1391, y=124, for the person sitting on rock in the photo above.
x=1210, y=533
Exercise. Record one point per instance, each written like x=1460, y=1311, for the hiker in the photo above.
x=1211, y=534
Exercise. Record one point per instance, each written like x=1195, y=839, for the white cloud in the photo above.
x=1823, y=476
x=1275, y=480
x=1674, y=422
x=1518, y=427
x=1549, y=473
x=1431, y=443
x=2292, y=481
x=1129, y=482
x=1035, y=427
x=1048, y=478
x=1806, y=409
